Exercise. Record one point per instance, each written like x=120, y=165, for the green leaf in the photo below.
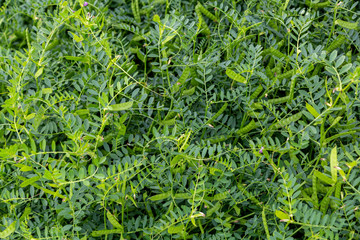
x=39, y=72
x=215, y=208
x=76, y=37
x=26, y=169
x=345, y=68
x=220, y=196
x=339, y=61
x=64, y=4
x=312, y=110
x=55, y=194
x=30, y=116
x=282, y=216
x=333, y=55
x=156, y=18
x=334, y=122
x=29, y=181
x=330, y=70
x=168, y=122
x=47, y=90
x=168, y=38
x=38, y=118
x=176, y=229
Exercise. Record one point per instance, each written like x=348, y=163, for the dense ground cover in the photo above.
x=172, y=119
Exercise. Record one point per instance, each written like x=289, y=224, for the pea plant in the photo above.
x=169, y=119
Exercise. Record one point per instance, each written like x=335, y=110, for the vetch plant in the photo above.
x=179, y=119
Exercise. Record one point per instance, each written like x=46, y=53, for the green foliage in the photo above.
x=156, y=119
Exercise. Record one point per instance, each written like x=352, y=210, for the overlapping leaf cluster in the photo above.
x=154, y=119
